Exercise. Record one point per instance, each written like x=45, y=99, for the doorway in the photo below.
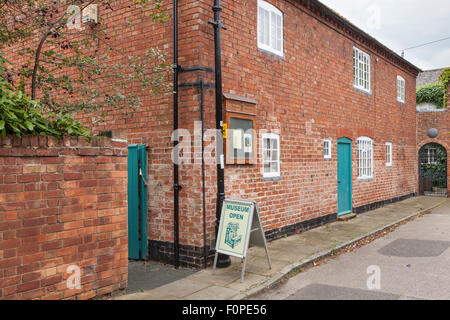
x=433, y=170
x=344, y=156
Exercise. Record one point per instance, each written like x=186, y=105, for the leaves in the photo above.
x=82, y=70
x=431, y=93
x=20, y=115
x=445, y=79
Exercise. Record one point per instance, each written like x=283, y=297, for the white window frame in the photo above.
x=271, y=136
x=431, y=152
x=272, y=12
x=365, y=158
x=388, y=154
x=401, y=89
x=327, y=150
x=361, y=70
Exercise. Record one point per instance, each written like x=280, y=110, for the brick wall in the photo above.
x=434, y=120
x=307, y=96
x=62, y=203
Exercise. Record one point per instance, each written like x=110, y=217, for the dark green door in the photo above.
x=344, y=176
x=137, y=202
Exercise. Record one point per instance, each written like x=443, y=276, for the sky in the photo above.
x=401, y=24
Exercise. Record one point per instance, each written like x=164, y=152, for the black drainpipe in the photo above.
x=176, y=186
x=223, y=260
x=202, y=116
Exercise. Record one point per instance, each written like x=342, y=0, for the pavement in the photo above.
x=410, y=263
x=287, y=255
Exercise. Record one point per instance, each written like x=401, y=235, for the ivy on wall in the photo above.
x=435, y=93
x=445, y=79
x=431, y=93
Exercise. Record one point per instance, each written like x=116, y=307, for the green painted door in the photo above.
x=137, y=202
x=344, y=176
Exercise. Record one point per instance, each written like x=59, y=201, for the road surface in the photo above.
x=413, y=262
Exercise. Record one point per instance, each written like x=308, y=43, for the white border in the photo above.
x=370, y=71
x=271, y=8
x=329, y=156
x=271, y=174
x=399, y=99
x=364, y=138
x=389, y=164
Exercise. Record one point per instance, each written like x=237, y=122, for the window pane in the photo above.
x=266, y=28
x=274, y=144
x=274, y=166
x=273, y=30
x=260, y=24
x=279, y=33
x=274, y=155
x=266, y=143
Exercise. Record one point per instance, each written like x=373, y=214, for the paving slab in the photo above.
x=181, y=288
x=213, y=293
x=288, y=254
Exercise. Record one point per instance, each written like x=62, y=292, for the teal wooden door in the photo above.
x=137, y=202
x=344, y=176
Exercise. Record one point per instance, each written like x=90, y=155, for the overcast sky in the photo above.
x=400, y=24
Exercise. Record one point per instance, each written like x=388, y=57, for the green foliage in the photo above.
x=85, y=70
x=19, y=115
x=435, y=165
x=431, y=93
x=445, y=79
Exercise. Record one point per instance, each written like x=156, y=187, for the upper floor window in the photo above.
x=400, y=89
x=271, y=155
x=365, y=158
x=270, y=28
x=361, y=70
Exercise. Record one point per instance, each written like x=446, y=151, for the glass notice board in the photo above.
x=241, y=139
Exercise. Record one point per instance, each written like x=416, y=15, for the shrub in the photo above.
x=19, y=115
x=431, y=93
x=445, y=79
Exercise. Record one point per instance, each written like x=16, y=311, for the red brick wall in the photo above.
x=62, y=203
x=437, y=120
x=308, y=96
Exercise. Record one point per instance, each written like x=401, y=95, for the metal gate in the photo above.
x=433, y=170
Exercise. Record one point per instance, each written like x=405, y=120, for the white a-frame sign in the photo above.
x=240, y=227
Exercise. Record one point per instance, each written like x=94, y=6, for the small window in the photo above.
x=388, y=154
x=365, y=158
x=400, y=89
x=270, y=28
x=361, y=70
x=327, y=149
x=431, y=152
x=271, y=155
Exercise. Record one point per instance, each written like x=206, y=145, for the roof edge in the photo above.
x=327, y=12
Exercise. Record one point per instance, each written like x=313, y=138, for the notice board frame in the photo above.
x=254, y=234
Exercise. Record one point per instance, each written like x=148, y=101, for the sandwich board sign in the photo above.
x=240, y=227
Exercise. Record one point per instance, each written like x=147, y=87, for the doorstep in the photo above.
x=346, y=217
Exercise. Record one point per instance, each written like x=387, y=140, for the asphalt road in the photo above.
x=413, y=262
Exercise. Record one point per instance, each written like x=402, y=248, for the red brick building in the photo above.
x=322, y=96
